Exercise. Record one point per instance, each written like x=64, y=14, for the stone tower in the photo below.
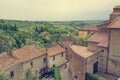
x=115, y=13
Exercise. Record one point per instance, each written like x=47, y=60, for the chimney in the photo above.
x=9, y=52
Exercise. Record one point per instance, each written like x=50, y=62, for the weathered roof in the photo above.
x=7, y=61
x=103, y=44
x=100, y=37
x=29, y=52
x=88, y=28
x=105, y=23
x=68, y=40
x=54, y=50
x=118, y=6
x=82, y=51
x=115, y=23
x=44, y=33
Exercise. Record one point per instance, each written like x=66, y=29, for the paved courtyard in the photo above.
x=65, y=73
x=107, y=76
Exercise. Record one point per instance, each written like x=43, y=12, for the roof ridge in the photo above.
x=109, y=26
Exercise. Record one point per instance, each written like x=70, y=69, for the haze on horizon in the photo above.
x=56, y=10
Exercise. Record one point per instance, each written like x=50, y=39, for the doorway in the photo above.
x=95, y=67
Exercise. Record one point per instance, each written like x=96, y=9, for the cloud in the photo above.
x=56, y=9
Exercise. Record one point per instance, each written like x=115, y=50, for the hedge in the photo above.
x=90, y=76
x=56, y=73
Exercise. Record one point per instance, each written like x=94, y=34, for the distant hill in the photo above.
x=20, y=33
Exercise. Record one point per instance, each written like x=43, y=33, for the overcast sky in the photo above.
x=59, y=10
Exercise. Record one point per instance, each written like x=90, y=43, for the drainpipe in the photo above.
x=108, y=49
x=46, y=59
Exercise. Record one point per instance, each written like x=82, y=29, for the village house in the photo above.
x=15, y=62
x=81, y=61
x=102, y=54
x=44, y=34
x=56, y=56
x=32, y=56
x=67, y=41
x=11, y=65
x=105, y=49
x=114, y=48
x=86, y=31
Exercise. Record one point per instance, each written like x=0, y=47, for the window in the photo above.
x=62, y=54
x=53, y=65
x=44, y=60
x=31, y=63
x=102, y=50
x=12, y=74
x=53, y=58
x=116, y=51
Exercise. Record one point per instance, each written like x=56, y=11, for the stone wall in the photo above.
x=114, y=55
x=102, y=59
x=92, y=46
x=90, y=61
x=58, y=61
x=83, y=33
x=38, y=63
x=77, y=65
x=116, y=9
x=17, y=69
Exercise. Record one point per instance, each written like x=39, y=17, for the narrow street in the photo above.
x=65, y=73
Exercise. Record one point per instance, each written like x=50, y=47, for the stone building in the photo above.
x=104, y=44
x=56, y=56
x=115, y=13
x=15, y=62
x=81, y=61
x=33, y=57
x=87, y=30
x=11, y=65
x=114, y=47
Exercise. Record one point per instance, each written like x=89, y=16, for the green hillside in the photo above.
x=21, y=33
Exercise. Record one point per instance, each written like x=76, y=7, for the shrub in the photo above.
x=90, y=76
x=56, y=73
x=83, y=40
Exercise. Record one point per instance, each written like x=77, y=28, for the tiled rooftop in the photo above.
x=88, y=28
x=55, y=50
x=115, y=23
x=7, y=61
x=100, y=37
x=82, y=51
x=29, y=52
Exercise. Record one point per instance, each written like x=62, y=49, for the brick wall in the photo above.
x=77, y=65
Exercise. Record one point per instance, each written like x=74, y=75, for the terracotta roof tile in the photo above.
x=7, y=61
x=117, y=6
x=69, y=39
x=100, y=37
x=82, y=51
x=103, y=44
x=44, y=33
x=115, y=23
x=105, y=23
x=29, y=52
x=55, y=50
x=88, y=28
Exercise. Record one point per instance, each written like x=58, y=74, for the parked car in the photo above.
x=46, y=74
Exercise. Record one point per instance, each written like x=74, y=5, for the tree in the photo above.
x=30, y=75
x=4, y=76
